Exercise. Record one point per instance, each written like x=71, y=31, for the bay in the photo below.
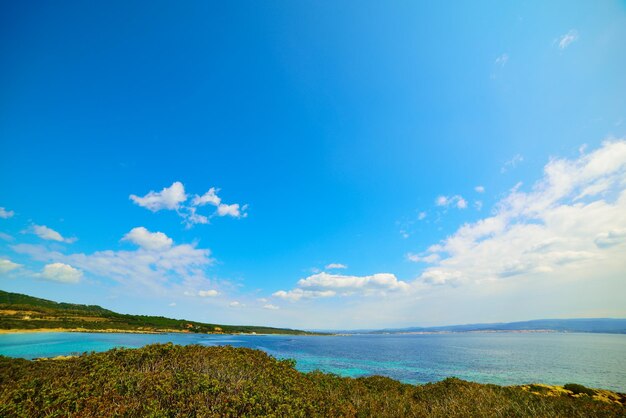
x=595, y=360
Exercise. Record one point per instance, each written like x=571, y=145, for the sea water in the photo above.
x=595, y=360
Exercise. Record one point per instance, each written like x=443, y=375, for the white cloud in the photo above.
x=210, y=198
x=174, y=198
x=192, y=218
x=436, y=276
x=479, y=189
x=421, y=216
x=8, y=265
x=208, y=293
x=611, y=238
x=169, y=198
x=325, y=281
x=332, y=266
x=456, y=200
x=441, y=201
x=271, y=307
x=512, y=163
x=236, y=304
x=176, y=267
x=49, y=234
x=229, y=210
x=6, y=214
x=155, y=241
x=172, y=304
x=549, y=230
x=502, y=60
x=565, y=40
x=324, y=284
x=429, y=258
x=6, y=237
x=297, y=294
x=60, y=272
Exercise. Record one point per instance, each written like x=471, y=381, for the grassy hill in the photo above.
x=23, y=312
x=169, y=380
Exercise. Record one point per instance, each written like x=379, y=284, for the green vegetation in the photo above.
x=169, y=380
x=22, y=312
x=577, y=389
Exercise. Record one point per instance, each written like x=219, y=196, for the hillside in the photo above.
x=23, y=312
x=170, y=380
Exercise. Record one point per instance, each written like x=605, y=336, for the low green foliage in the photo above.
x=577, y=389
x=195, y=381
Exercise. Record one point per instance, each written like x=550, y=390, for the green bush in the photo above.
x=576, y=388
x=165, y=380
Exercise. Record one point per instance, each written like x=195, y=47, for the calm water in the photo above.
x=596, y=360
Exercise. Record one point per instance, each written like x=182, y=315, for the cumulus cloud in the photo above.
x=297, y=294
x=479, y=189
x=192, y=218
x=155, y=241
x=458, y=201
x=158, y=264
x=175, y=198
x=611, y=238
x=565, y=40
x=236, y=304
x=429, y=258
x=208, y=293
x=333, y=266
x=49, y=234
x=421, y=216
x=209, y=198
x=60, y=272
x=230, y=210
x=324, y=284
x=271, y=307
x=6, y=214
x=169, y=198
x=574, y=216
x=7, y=265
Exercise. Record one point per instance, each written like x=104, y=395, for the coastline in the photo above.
x=126, y=331
x=95, y=331
x=330, y=334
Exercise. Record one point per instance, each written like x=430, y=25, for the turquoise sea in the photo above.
x=595, y=360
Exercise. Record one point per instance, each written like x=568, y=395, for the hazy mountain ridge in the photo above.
x=598, y=325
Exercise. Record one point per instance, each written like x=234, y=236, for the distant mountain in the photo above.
x=598, y=325
x=23, y=312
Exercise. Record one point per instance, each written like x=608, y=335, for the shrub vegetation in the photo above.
x=165, y=380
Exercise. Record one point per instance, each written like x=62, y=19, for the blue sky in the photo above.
x=445, y=156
